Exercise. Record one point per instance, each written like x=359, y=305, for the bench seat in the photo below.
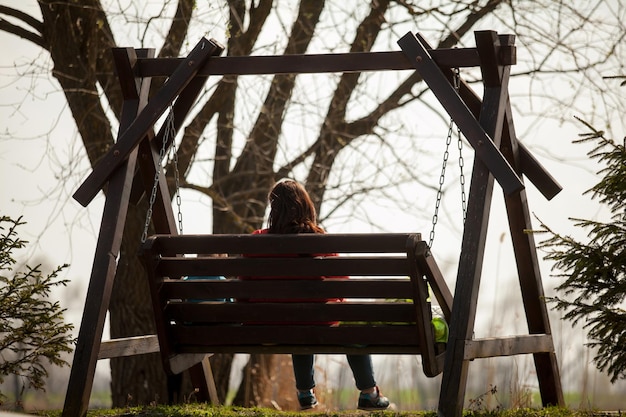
x=383, y=308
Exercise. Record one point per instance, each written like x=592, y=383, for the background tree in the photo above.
x=341, y=134
x=33, y=334
x=594, y=272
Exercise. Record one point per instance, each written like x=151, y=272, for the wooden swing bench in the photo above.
x=190, y=319
x=385, y=310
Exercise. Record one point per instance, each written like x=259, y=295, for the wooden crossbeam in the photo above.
x=482, y=143
x=507, y=346
x=144, y=122
x=128, y=346
x=321, y=63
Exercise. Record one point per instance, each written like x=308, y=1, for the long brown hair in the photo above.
x=292, y=210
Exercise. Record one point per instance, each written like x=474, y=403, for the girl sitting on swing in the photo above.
x=292, y=211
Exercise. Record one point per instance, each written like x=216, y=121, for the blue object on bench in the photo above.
x=207, y=277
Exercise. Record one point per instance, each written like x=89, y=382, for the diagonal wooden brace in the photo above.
x=144, y=122
x=149, y=155
x=529, y=166
x=150, y=144
x=483, y=145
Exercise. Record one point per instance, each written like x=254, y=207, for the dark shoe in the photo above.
x=374, y=401
x=307, y=399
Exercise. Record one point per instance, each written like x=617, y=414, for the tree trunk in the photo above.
x=268, y=381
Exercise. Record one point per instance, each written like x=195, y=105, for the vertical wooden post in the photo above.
x=107, y=250
x=454, y=380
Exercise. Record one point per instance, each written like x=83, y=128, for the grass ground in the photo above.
x=199, y=410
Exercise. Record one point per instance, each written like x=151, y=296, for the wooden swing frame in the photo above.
x=487, y=124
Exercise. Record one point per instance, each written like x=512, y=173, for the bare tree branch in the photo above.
x=178, y=29
x=476, y=15
x=260, y=149
x=240, y=42
x=327, y=143
x=72, y=34
x=6, y=26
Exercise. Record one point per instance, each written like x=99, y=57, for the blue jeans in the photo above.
x=361, y=366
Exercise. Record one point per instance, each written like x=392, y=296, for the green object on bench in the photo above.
x=441, y=330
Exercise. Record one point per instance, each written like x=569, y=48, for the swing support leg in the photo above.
x=105, y=262
x=454, y=381
x=498, y=124
x=452, y=396
x=530, y=277
x=136, y=126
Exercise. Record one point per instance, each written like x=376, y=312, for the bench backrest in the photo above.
x=383, y=308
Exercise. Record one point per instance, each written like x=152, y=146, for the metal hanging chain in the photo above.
x=462, y=175
x=174, y=154
x=442, y=179
x=457, y=87
x=442, y=176
x=170, y=132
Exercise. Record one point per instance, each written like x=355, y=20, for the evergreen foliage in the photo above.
x=594, y=272
x=32, y=332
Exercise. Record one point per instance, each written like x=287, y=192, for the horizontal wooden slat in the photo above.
x=387, y=288
x=285, y=312
x=294, y=335
x=508, y=346
x=128, y=346
x=321, y=63
x=182, y=361
x=169, y=245
x=285, y=267
x=304, y=349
